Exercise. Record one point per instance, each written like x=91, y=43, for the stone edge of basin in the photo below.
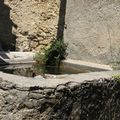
x=76, y=78
x=78, y=64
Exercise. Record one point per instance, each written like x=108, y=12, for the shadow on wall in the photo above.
x=7, y=39
x=61, y=22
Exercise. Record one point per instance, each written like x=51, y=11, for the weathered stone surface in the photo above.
x=27, y=82
x=93, y=100
x=93, y=30
x=36, y=21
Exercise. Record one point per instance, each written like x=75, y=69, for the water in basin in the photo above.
x=30, y=70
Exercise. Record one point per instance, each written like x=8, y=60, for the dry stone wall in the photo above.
x=91, y=100
x=36, y=22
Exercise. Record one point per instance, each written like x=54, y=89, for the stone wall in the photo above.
x=35, y=20
x=93, y=100
x=93, y=30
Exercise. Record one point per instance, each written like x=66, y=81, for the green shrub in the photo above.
x=53, y=55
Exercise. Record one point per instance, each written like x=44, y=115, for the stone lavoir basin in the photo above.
x=23, y=64
x=33, y=70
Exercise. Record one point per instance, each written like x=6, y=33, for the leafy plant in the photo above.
x=53, y=55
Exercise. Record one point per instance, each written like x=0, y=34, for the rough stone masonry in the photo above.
x=75, y=97
x=91, y=100
x=33, y=22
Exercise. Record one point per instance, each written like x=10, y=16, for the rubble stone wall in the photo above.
x=36, y=22
x=94, y=100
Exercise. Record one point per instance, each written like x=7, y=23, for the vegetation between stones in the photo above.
x=116, y=77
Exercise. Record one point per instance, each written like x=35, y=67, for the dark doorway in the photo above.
x=61, y=22
x=7, y=38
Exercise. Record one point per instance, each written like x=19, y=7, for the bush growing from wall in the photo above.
x=53, y=55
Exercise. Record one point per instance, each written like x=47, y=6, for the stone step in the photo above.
x=16, y=57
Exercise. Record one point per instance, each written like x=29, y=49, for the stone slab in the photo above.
x=85, y=66
x=29, y=82
x=16, y=57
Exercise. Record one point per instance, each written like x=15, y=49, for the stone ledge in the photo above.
x=16, y=57
x=62, y=79
x=85, y=66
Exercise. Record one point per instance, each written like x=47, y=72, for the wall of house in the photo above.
x=93, y=30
